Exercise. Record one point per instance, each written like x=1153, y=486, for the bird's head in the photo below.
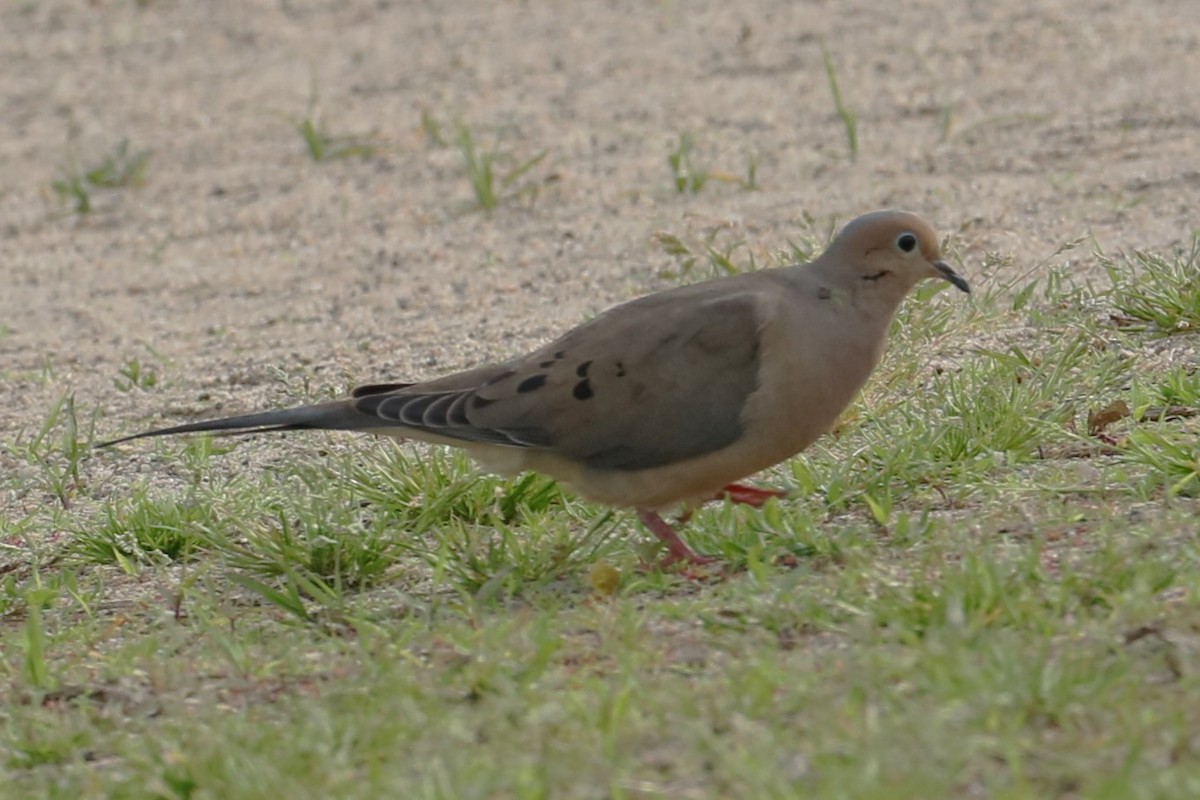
x=888, y=252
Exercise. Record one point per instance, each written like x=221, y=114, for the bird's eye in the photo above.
x=907, y=242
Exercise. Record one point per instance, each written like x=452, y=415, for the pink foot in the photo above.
x=749, y=495
x=678, y=551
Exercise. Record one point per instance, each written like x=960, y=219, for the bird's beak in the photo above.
x=949, y=274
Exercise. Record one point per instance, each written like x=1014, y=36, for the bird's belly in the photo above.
x=689, y=482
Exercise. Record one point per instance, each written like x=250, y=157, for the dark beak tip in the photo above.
x=949, y=274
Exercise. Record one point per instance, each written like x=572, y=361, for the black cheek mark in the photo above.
x=823, y=293
x=582, y=390
x=876, y=276
x=620, y=369
x=531, y=383
x=582, y=369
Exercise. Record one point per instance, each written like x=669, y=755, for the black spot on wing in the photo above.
x=583, y=390
x=545, y=364
x=620, y=369
x=532, y=383
x=582, y=369
x=823, y=293
x=698, y=410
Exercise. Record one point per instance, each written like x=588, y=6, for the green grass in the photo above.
x=134, y=374
x=966, y=594
x=1169, y=302
x=493, y=173
x=322, y=145
x=121, y=168
x=847, y=116
x=689, y=176
x=724, y=250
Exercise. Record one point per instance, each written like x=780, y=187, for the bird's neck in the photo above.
x=874, y=302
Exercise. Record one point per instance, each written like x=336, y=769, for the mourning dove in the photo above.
x=671, y=398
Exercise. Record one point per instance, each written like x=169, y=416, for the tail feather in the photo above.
x=338, y=415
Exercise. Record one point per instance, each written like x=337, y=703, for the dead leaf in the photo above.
x=1099, y=420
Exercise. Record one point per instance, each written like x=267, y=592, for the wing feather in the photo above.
x=649, y=383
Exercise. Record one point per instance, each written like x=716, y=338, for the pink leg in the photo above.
x=749, y=495
x=739, y=493
x=667, y=535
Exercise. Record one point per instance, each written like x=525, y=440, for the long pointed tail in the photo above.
x=338, y=415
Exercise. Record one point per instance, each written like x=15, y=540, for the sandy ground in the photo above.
x=1015, y=125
